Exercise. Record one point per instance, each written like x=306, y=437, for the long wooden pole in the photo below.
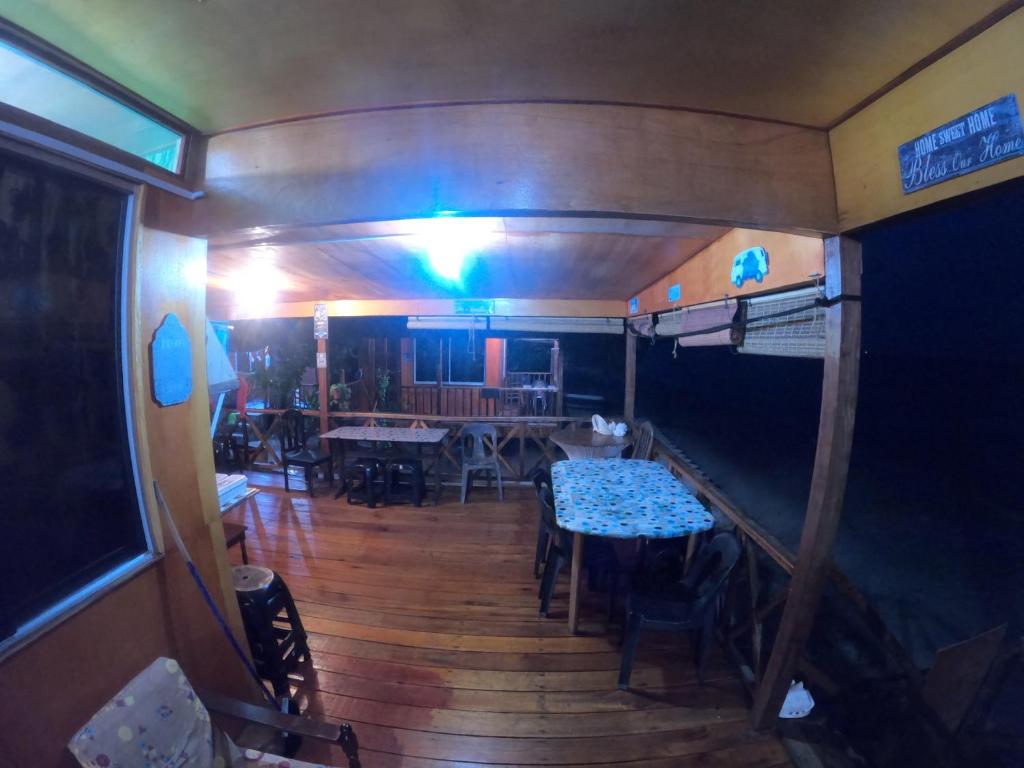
x=828, y=483
x=630, y=399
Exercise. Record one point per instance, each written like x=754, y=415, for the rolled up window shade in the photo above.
x=799, y=334
x=691, y=321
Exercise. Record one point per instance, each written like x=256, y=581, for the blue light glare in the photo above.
x=449, y=243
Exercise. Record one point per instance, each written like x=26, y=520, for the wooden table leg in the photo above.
x=574, y=581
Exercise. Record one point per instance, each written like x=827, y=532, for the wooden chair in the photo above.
x=644, y=444
x=479, y=455
x=689, y=604
x=294, y=451
x=158, y=717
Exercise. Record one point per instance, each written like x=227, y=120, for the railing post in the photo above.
x=828, y=483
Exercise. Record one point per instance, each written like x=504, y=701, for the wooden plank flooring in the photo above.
x=425, y=636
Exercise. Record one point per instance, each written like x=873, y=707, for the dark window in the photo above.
x=462, y=356
x=529, y=355
x=71, y=510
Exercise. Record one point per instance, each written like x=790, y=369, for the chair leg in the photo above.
x=286, y=488
x=466, y=476
x=551, y=571
x=309, y=481
x=542, y=545
x=497, y=474
x=632, y=639
x=704, y=652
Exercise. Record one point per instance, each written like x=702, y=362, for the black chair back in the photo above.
x=293, y=431
x=712, y=566
x=644, y=444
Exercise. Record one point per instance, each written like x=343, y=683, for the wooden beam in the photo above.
x=828, y=483
x=480, y=158
x=321, y=380
x=220, y=306
x=629, y=404
x=707, y=275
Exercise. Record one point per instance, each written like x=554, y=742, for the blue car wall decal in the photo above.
x=751, y=263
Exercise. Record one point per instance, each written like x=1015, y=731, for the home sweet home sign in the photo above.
x=984, y=137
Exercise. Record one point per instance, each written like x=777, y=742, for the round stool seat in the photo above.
x=251, y=578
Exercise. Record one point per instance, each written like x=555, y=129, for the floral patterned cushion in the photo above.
x=157, y=721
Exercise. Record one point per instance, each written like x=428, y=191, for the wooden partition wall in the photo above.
x=54, y=684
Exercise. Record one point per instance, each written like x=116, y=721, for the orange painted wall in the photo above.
x=792, y=259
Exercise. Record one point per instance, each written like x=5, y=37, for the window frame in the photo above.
x=52, y=56
x=445, y=351
x=55, y=614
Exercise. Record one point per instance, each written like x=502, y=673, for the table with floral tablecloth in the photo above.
x=624, y=499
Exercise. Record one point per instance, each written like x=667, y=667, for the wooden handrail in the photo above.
x=717, y=498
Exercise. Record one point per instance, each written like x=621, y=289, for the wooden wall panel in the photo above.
x=705, y=277
x=864, y=148
x=520, y=157
x=55, y=683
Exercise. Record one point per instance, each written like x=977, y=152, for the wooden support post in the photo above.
x=828, y=483
x=630, y=401
x=321, y=380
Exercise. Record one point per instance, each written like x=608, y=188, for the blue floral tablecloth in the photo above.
x=626, y=499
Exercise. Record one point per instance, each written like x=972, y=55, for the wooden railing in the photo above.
x=744, y=626
x=524, y=442
x=458, y=401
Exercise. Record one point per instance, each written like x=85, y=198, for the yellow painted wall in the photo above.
x=864, y=148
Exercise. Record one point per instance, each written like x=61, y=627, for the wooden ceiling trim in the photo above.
x=966, y=36
x=528, y=157
x=218, y=308
x=494, y=102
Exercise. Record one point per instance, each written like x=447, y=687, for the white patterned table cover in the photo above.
x=625, y=499
x=388, y=434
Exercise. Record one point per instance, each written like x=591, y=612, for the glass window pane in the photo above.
x=425, y=362
x=31, y=85
x=70, y=511
x=465, y=364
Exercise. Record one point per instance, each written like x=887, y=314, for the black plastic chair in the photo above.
x=239, y=446
x=691, y=603
x=403, y=481
x=547, y=529
x=599, y=558
x=294, y=451
x=366, y=481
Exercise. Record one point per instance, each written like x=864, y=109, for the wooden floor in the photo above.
x=425, y=636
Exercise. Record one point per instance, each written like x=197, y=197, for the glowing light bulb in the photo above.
x=256, y=285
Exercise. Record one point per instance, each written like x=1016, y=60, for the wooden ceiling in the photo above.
x=221, y=64
x=520, y=257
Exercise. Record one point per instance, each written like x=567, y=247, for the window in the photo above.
x=461, y=356
x=33, y=86
x=71, y=516
x=529, y=355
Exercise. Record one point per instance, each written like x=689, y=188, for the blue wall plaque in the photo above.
x=171, y=360
x=634, y=305
x=984, y=137
x=674, y=292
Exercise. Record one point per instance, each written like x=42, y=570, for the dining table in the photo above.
x=620, y=499
x=414, y=435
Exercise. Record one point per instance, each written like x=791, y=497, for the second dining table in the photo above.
x=621, y=499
